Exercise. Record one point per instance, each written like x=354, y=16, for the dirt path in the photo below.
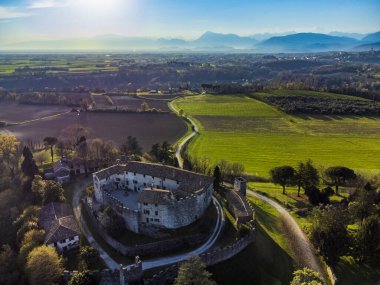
x=78, y=190
x=40, y=119
x=304, y=250
x=187, y=138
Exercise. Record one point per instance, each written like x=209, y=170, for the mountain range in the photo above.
x=210, y=41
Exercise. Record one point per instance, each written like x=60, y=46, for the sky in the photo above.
x=26, y=20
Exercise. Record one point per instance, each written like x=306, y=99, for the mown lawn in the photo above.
x=259, y=152
x=240, y=129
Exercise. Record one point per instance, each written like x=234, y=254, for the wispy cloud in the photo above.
x=11, y=13
x=43, y=4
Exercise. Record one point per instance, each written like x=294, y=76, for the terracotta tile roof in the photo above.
x=58, y=222
x=189, y=182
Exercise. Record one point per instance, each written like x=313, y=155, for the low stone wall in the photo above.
x=158, y=247
x=168, y=275
x=132, y=274
x=127, y=275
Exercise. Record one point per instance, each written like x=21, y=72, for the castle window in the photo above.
x=156, y=213
x=144, y=184
x=134, y=173
x=144, y=175
x=155, y=205
x=145, y=204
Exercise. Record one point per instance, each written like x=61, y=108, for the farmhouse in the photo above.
x=147, y=194
x=61, y=229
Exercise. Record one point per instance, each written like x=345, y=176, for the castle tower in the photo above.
x=240, y=186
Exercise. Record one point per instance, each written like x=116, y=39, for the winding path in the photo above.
x=186, y=139
x=147, y=264
x=304, y=249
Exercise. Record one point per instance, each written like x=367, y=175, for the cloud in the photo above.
x=11, y=13
x=43, y=4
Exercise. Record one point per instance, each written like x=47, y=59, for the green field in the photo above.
x=266, y=261
x=238, y=128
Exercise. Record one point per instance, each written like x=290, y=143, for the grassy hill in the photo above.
x=241, y=129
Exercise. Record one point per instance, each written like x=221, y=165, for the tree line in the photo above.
x=307, y=177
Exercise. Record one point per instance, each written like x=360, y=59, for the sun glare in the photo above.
x=100, y=5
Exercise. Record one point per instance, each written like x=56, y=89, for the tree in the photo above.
x=74, y=133
x=53, y=192
x=306, y=276
x=8, y=146
x=38, y=186
x=224, y=169
x=217, y=178
x=8, y=266
x=368, y=239
x=164, y=153
x=144, y=107
x=40, y=157
x=329, y=232
x=131, y=146
x=339, y=175
x=50, y=142
x=306, y=176
x=44, y=266
x=193, y=272
x=283, y=175
x=314, y=195
x=28, y=165
x=90, y=256
x=82, y=278
x=82, y=151
x=34, y=235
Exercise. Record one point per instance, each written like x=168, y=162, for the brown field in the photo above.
x=149, y=128
x=14, y=113
x=101, y=101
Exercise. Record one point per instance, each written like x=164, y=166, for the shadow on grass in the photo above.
x=351, y=272
x=262, y=262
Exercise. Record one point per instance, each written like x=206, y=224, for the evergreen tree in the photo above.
x=217, y=178
x=283, y=175
x=28, y=165
x=339, y=175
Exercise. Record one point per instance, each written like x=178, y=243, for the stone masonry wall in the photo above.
x=144, y=249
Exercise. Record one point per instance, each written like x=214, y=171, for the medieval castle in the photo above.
x=147, y=194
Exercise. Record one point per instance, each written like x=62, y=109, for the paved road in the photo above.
x=304, y=249
x=80, y=186
x=206, y=246
x=187, y=138
x=147, y=264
